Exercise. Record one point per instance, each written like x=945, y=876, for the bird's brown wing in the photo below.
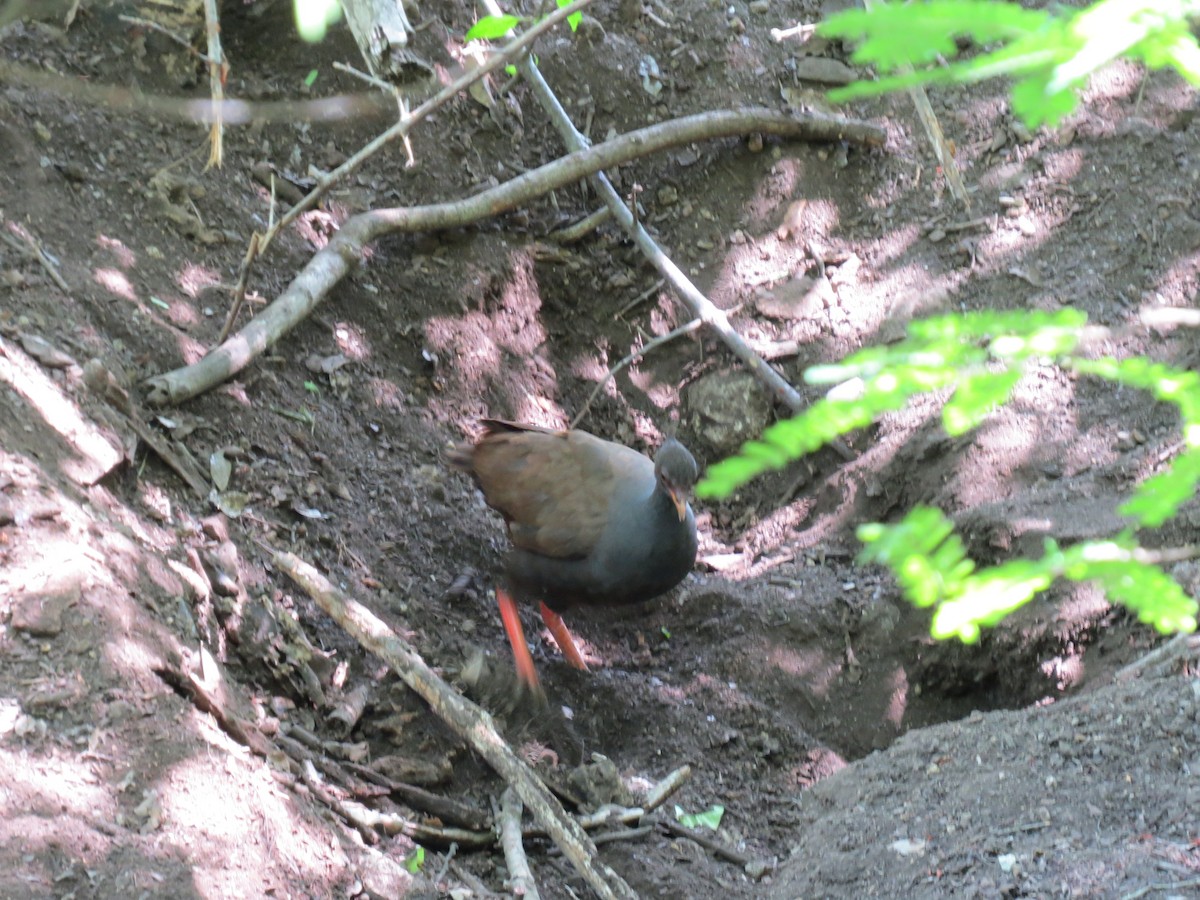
x=552, y=487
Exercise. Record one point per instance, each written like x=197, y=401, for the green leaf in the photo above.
x=1157, y=499
x=490, y=28
x=893, y=35
x=975, y=397
x=414, y=862
x=574, y=18
x=313, y=18
x=710, y=818
x=1048, y=55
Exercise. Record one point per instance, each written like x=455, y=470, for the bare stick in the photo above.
x=1176, y=648
x=154, y=26
x=455, y=812
x=520, y=878
x=464, y=717
x=933, y=131
x=625, y=834
x=1171, y=887
x=399, y=131
x=511, y=51
x=29, y=244
x=218, y=68
x=345, y=251
x=640, y=298
x=582, y=228
x=661, y=792
x=717, y=848
x=687, y=328
x=189, y=109
x=698, y=304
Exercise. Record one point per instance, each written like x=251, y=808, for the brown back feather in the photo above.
x=552, y=487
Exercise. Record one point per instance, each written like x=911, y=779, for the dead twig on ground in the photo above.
x=520, y=878
x=345, y=250
x=582, y=228
x=24, y=242
x=399, y=132
x=467, y=720
x=933, y=132
x=1158, y=659
x=101, y=382
x=454, y=812
x=692, y=297
x=503, y=57
x=661, y=792
x=218, y=70
x=636, y=355
x=714, y=847
x=1171, y=887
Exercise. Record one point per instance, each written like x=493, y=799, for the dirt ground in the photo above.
x=853, y=755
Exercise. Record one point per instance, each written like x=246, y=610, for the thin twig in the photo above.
x=466, y=719
x=399, y=131
x=218, y=69
x=503, y=57
x=120, y=100
x=467, y=877
x=697, y=303
x=1178, y=646
x=437, y=879
x=715, y=847
x=365, y=76
x=29, y=244
x=582, y=228
x=636, y=355
x=1173, y=887
x=520, y=878
x=661, y=792
x=933, y=131
x=155, y=26
x=803, y=30
x=623, y=834
x=640, y=298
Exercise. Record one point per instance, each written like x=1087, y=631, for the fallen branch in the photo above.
x=714, y=847
x=455, y=812
x=692, y=297
x=520, y=878
x=344, y=252
x=467, y=720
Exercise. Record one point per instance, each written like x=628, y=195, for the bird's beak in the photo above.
x=679, y=498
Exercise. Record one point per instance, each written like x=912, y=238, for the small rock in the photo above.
x=383, y=876
x=728, y=409
x=41, y=613
x=757, y=868
x=800, y=298
x=824, y=70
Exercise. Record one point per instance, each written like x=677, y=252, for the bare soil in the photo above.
x=853, y=755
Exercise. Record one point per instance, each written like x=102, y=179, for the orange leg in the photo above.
x=563, y=638
x=516, y=637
